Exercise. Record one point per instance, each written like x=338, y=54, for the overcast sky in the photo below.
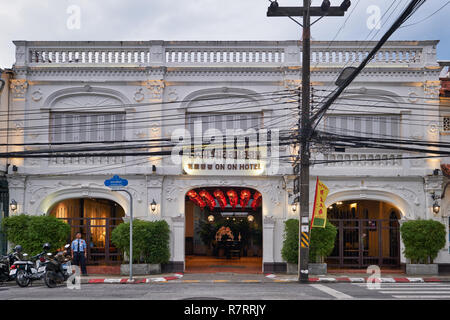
x=206, y=20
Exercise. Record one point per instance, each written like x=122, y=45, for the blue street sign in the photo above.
x=116, y=181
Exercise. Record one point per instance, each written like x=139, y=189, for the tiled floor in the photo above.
x=204, y=264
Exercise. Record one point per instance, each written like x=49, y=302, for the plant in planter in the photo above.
x=422, y=239
x=321, y=245
x=31, y=232
x=289, y=251
x=150, y=245
x=207, y=232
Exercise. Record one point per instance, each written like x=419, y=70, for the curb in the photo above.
x=176, y=276
x=361, y=280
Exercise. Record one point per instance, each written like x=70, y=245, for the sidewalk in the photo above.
x=258, y=278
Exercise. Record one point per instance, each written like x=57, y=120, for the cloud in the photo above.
x=203, y=20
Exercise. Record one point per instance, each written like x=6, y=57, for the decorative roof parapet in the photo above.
x=219, y=53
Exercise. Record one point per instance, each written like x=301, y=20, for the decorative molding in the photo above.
x=139, y=95
x=18, y=88
x=36, y=95
x=156, y=88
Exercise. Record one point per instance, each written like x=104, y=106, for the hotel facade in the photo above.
x=142, y=96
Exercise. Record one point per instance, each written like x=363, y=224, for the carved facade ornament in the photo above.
x=433, y=127
x=293, y=85
x=413, y=97
x=139, y=95
x=172, y=95
x=156, y=88
x=36, y=95
x=431, y=89
x=18, y=88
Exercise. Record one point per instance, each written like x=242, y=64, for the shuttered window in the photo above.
x=378, y=126
x=82, y=127
x=223, y=122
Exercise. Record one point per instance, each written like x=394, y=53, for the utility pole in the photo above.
x=304, y=122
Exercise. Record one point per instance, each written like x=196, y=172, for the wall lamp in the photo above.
x=13, y=205
x=153, y=206
x=294, y=207
x=436, y=206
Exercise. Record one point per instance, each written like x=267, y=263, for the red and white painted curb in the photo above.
x=360, y=280
x=176, y=276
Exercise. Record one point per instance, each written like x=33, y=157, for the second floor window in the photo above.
x=374, y=126
x=82, y=127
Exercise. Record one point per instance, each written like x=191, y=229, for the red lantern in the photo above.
x=257, y=199
x=220, y=198
x=232, y=195
x=245, y=198
x=194, y=197
x=209, y=199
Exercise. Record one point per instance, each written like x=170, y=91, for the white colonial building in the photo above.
x=136, y=93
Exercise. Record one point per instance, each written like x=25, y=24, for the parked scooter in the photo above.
x=6, y=262
x=59, y=268
x=29, y=271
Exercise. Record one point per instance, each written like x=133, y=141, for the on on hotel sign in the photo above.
x=198, y=165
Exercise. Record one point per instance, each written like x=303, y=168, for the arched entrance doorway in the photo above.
x=368, y=234
x=95, y=218
x=223, y=230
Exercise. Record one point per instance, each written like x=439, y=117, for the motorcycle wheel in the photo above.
x=21, y=279
x=50, y=279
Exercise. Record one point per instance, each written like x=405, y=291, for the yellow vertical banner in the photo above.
x=319, y=216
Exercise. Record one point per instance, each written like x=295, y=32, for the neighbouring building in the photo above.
x=136, y=93
x=5, y=76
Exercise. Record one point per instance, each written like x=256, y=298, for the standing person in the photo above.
x=79, y=253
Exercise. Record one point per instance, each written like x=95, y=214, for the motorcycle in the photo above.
x=29, y=271
x=6, y=262
x=59, y=268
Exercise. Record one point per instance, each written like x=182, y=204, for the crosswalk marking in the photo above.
x=413, y=290
x=421, y=297
x=331, y=292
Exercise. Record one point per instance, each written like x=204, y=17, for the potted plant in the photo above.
x=422, y=239
x=207, y=233
x=321, y=245
x=31, y=232
x=289, y=251
x=150, y=245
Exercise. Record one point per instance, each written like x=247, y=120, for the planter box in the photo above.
x=317, y=268
x=422, y=269
x=314, y=268
x=140, y=269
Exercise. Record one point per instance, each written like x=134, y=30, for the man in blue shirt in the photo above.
x=79, y=253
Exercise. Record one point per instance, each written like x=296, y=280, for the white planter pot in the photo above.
x=313, y=268
x=422, y=269
x=140, y=269
x=317, y=268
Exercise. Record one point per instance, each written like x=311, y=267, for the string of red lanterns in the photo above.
x=194, y=197
x=204, y=198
